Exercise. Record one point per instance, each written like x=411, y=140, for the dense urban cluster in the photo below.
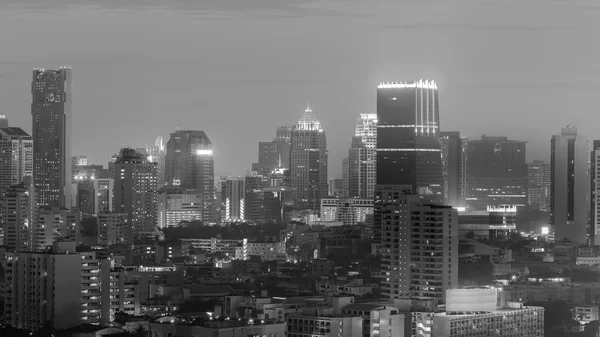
x=426, y=233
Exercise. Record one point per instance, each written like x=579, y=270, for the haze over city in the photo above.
x=237, y=70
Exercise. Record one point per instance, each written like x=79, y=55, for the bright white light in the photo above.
x=545, y=230
x=403, y=85
x=460, y=209
x=204, y=152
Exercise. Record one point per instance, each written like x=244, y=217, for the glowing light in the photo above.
x=409, y=150
x=460, y=209
x=404, y=85
x=502, y=209
x=545, y=230
x=204, y=152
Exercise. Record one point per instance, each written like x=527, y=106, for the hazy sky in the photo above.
x=237, y=68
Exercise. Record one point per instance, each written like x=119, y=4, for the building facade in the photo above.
x=538, y=189
x=454, y=167
x=157, y=154
x=569, y=200
x=349, y=211
x=232, y=199
x=177, y=204
x=363, y=158
x=19, y=214
x=308, y=162
x=190, y=164
x=51, y=124
x=16, y=156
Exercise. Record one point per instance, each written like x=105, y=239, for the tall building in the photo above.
x=308, y=161
x=569, y=201
x=595, y=193
x=454, y=167
x=496, y=173
x=419, y=245
x=51, y=125
x=190, y=164
x=232, y=194
x=362, y=158
x=19, y=214
x=16, y=156
x=538, y=185
x=253, y=197
x=408, y=145
x=111, y=228
x=135, y=190
x=346, y=176
x=157, y=154
x=274, y=154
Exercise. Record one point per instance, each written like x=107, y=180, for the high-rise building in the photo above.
x=308, y=161
x=408, y=145
x=274, y=154
x=232, y=199
x=19, y=214
x=136, y=190
x=93, y=195
x=362, y=158
x=346, y=176
x=496, y=173
x=419, y=245
x=190, y=164
x=253, y=197
x=349, y=211
x=177, y=204
x=454, y=167
x=157, y=154
x=111, y=228
x=595, y=193
x=51, y=125
x=569, y=201
x=16, y=156
x=42, y=288
x=538, y=186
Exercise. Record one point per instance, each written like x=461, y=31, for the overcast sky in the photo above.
x=237, y=68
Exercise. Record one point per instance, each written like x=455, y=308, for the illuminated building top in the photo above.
x=427, y=84
x=308, y=121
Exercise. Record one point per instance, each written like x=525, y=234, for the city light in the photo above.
x=204, y=152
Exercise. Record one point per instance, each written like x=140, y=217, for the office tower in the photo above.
x=538, y=185
x=454, y=167
x=594, y=230
x=496, y=173
x=19, y=214
x=308, y=158
x=346, y=176
x=190, y=164
x=103, y=197
x=135, y=190
x=85, y=195
x=232, y=199
x=274, y=154
x=569, y=186
x=93, y=195
x=111, y=228
x=253, y=197
x=42, y=288
x=408, y=145
x=277, y=202
x=177, y=204
x=16, y=156
x=362, y=158
x=51, y=125
x=350, y=212
x=419, y=245
x=336, y=188
x=157, y=154
x=497, y=222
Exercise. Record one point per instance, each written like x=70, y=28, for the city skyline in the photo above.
x=465, y=83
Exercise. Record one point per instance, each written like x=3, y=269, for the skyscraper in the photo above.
x=454, y=167
x=190, y=164
x=308, y=162
x=16, y=156
x=19, y=215
x=496, y=173
x=51, y=125
x=595, y=193
x=253, y=197
x=419, y=245
x=274, y=154
x=408, y=145
x=363, y=158
x=135, y=190
x=538, y=185
x=157, y=154
x=232, y=195
x=569, y=201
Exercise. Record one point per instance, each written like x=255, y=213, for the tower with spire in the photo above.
x=308, y=162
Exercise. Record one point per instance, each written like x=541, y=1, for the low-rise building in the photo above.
x=226, y=328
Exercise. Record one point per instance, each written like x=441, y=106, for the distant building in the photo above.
x=274, y=154
x=253, y=197
x=19, y=213
x=595, y=193
x=494, y=223
x=176, y=204
x=112, y=228
x=232, y=199
x=51, y=125
x=136, y=190
x=190, y=164
x=363, y=158
x=497, y=173
x=454, y=167
x=157, y=154
x=349, y=211
x=16, y=155
x=219, y=329
x=538, y=190
x=569, y=193
x=308, y=157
